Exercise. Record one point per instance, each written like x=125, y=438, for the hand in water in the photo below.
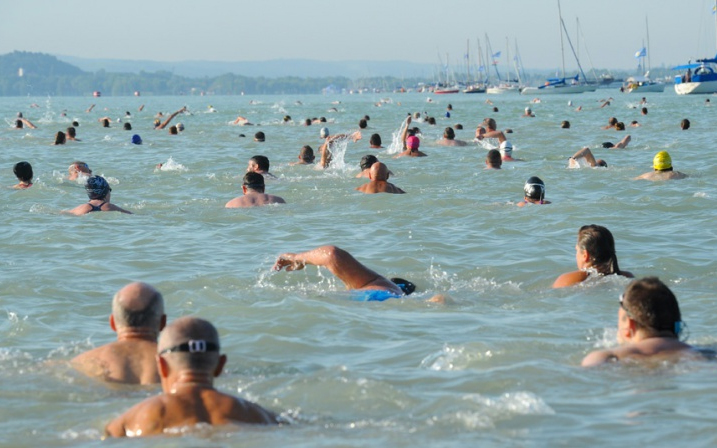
x=289, y=262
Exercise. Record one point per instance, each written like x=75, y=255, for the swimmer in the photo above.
x=89, y=109
x=259, y=137
x=259, y=164
x=611, y=122
x=72, y=134
x=410, y=142
x=506, y=152
x=375, y=142
x=127, y=126
x=449, y=138
x=24, y=174
x=565, y=124
x=635, y=124
x=594, y=254
x=174, y=114
x=136, y=139
x=306, y=156
x=378, y=181
x=620, y=126
x=649, y=326
x=528, y=113
x=188, y=359
x=585, y=157
x=242, y=121
x=105, y=121
x=643, y=111
x=488, y=129
x=22, y=122
x=493, y=160
x=253, y=188
x=685, y=124
x=622, y=144
x=137, y=318
x=330, y=141
x=534, y=190
x=351, y=272
x=60, y=138
x=99, y=192
x=366, y=163
x=79, y=170
x=662, y=165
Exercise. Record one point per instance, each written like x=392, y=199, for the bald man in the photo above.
x=378, y=181
x=137, y=318
x=188, y=360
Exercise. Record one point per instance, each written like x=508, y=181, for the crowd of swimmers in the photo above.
x=185, y=355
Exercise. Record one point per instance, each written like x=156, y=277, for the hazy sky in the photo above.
x=416, y=30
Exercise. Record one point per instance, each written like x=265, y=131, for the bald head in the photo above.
x=138, y=305
x=378, y=171
x=193, y=343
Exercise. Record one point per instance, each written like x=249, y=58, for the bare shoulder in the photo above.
x=271, y=199
x=235, y=203
x=570, y=278
x=79, y=210
x=143, y=419
x=599, y=357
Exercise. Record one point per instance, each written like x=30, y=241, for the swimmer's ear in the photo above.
x=162, y=367
x=220, y=365
x=112, y=323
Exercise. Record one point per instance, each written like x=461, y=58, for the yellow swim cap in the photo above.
x=662, y=161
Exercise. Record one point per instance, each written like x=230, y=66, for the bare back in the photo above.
x=126, y=362
x=254, y=200
x=379, y=186
x=188, y=406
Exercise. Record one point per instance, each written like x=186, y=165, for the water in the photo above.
x=498, y=367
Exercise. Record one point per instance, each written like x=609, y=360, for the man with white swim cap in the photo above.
x=137, y=318
x=188, y=359
x=662, y=164
x=534, y=190
x=649, y=326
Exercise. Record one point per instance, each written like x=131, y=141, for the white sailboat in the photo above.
x=562, y=85
x=643, y=84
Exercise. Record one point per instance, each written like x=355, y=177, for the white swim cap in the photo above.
x=506, y=148
x=324, y=132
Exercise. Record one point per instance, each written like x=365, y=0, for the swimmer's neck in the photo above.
x=137, y=334
x=190, y=379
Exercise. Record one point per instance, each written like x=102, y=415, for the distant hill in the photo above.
x=272, y=69
x=35, y=64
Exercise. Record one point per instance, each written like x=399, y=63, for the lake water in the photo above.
x=497, y=367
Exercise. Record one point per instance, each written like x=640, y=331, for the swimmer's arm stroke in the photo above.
x=598, y=358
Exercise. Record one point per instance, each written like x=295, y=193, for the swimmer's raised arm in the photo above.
x=585, y=152
x=166, y=122
x=28, y=124
x=404, y=135
x=290, y=262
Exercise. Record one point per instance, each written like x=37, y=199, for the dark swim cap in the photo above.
x=534, y=188
x=367, y=161
x=97, y=187
x=406, y=286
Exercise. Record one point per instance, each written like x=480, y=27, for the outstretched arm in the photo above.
x=28, y=124
x=166, y=122
x=341, y=263
x=585, y=152
x=404, y=135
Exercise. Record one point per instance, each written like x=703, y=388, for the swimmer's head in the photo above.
x=662, y=161
x=528, y=111
x=127, y=127
x=363, y=123
x=449, y=133
x=506, y=149
x=18, y=124
x=620, y=126
x=534, y=189
x=157, y=122
x=375, y=140
x=608, y=145
x=406, y=286
x=367, y=161
x=565, y=124
x=324, y=132
x=652, y=306
x=307, y=154
x=97, y=187
x=136, y=139
x=685, y=124
x=259, y=137
x=180, y=127
x=253, y=181
x=23, y=171
x=413, y=143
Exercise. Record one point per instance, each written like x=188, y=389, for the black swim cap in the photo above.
x=607, y=145
x=367, y=161
x=406, y=286
x=534, y=188
x=97, y=187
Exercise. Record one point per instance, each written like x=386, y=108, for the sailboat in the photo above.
x=643, y=84
x=504, y=86
x=440, y=88
x=471, y=86
x=703, y=79
x=562, y=85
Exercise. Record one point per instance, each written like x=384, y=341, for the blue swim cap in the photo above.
x=136, y=139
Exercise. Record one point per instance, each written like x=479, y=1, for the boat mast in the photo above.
x=490, y=55
x=468, y=62
x=567, y=36
x=562, y=47
x=647, y=30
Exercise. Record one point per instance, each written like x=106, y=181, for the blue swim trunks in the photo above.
x=373, y=295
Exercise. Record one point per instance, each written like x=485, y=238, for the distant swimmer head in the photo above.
x=406, y=286
x=324, y=132
x=367, y=161
x=607, y=145
x=136, y=139
x=180, y=127
x=413, y=143
x=527, y=110
x=97, y=187
x=449, y=133
x=662, y=161
x=506, y=149
x=534, y=189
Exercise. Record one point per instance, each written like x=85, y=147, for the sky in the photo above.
x=423, y=31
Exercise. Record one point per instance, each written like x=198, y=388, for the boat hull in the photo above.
x=556, y=90
x=694, y=88
x=647, y=88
